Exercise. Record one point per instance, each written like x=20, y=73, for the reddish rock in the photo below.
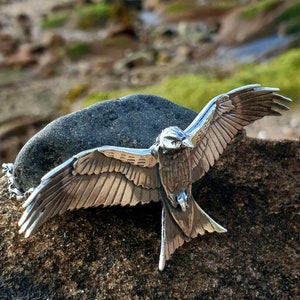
x=8, y=44
x=24, y=57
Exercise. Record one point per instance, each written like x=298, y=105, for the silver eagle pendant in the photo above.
x=165, y=172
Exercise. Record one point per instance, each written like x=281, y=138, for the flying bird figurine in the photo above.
x=165, y=172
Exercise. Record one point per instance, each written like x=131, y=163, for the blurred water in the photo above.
x=150, y=18
x=255, y=50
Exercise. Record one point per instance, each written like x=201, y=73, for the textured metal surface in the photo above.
x=165, y=172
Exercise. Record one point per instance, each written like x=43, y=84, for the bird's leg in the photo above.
x=179, y=226
x=182, y=200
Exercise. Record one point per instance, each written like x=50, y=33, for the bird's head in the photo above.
x=170, y=140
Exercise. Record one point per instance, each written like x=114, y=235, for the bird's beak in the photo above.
x=154, y=150
x=187, y=143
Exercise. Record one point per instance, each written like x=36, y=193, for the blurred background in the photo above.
x=60, y=56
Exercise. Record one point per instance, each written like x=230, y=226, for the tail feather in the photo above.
x=179, y=227
x=203, y=222
x=172, y=237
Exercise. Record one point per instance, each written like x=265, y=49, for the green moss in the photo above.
x=260, y=7
x=226, y=3
x=195, y=91
x=55, y=20
x=283, y=72
x=77, y=91
x=290, y=18
x=290, y=13
x=177, y=7
x=292, y=27
x=87, y=16
x=77, y=49
x=98, y=9
x=93, y=15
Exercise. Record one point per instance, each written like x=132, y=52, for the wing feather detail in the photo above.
x=103, y=176
x=224, y=117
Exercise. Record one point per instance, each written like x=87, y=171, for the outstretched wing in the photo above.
x=224, y=116
x=101, y=176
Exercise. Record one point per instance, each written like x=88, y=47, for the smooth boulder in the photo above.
x=132, y=121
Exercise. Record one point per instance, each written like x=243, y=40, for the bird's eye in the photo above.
x=172, y=138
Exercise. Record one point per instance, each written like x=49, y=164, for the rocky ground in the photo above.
x=113, y=253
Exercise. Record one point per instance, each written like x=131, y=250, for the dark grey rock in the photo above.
x=132, y=121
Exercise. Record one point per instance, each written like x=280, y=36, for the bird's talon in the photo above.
x=182, y=201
